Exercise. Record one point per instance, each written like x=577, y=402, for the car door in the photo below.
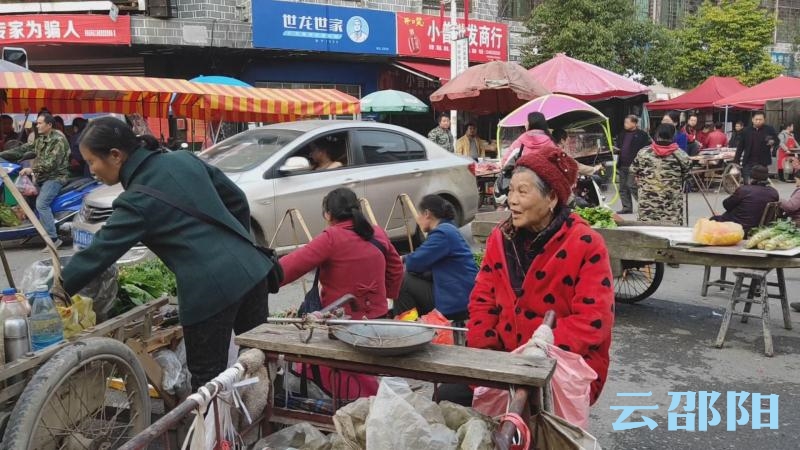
x=305, y=191
x=391, y=164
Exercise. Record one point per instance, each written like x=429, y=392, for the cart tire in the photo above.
x=638, y=281
x=54, y=377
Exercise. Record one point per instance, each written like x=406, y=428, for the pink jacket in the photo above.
x=349, y=265
x=792, y=206
x=529, y=140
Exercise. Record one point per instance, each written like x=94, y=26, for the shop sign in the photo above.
x=65, y=28
x=429, y=37
x=302, y=26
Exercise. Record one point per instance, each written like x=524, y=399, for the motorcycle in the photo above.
x=65, y=206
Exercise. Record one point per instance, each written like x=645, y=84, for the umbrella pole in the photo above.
x=607, y=129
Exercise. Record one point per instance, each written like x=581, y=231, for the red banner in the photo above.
x=63, y=28
x=424, y=36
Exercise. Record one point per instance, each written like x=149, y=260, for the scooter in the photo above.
x=65, y=206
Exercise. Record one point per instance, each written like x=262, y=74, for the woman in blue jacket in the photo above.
x=441, y=272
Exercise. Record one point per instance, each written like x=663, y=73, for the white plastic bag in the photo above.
x=26, y=186
x=399, y=419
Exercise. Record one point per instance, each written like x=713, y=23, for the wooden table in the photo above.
x=435, y=363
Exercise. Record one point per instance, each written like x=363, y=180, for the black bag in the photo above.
x=274, y=276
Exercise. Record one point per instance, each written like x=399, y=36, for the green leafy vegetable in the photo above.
x=478, y=257
x=142, y=283
x=598, y=216
x=7, y=217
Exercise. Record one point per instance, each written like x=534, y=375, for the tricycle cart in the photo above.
x=90, y=392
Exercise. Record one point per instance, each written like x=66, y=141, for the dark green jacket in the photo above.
x=214, y=267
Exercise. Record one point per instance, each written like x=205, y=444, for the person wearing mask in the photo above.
x=693, y=144
x=747, y=204
x=50, y=169
x=77, y=165
x=736, y=134
x=629, y=142
x=545, y=257
x=221, y=274
x=716, y=138
x=441, y=134
x=471, y=144
x=446, y=256
x=755, y=146
x=788, y=143
x=352, y=256
x=673, y=118
x=660, y=171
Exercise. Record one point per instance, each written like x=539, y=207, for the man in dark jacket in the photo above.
x=747, y=204
x=755, y=146
x=629, y=142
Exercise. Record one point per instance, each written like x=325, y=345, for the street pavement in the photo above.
x=664, y=344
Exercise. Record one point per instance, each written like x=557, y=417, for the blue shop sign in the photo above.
x=303, y=26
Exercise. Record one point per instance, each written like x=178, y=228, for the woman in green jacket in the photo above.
x=221, y=275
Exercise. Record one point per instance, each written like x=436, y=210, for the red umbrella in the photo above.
x=584, y=81
x=703, y=96
x=498, y=86
x=779, y=88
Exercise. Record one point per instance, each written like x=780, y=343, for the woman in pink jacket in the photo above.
x=536, y=137
x=353, y=257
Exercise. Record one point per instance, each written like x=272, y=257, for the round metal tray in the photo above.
x=383, y=339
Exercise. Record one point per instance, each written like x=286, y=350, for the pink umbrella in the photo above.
x=565, y=75
x=559, y=110
x=498, y=86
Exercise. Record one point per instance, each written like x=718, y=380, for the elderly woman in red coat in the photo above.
x=545, y=258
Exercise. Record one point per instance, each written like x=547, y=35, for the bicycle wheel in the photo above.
x=639, y=280
x=70, y=402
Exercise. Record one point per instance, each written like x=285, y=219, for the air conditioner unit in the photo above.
x=159, y=8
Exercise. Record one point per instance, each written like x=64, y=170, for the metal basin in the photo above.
x=382, y=339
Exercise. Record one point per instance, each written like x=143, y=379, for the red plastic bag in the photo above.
x=26, y=186
x=444, y=337
x=570, y=385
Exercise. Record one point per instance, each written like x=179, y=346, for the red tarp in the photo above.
x=780, y=88
x=587, y=82
x=440, y=70
x=703, y=96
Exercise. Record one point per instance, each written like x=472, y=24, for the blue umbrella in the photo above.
x=219, y=79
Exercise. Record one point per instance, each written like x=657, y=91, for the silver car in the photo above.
x=272, y=165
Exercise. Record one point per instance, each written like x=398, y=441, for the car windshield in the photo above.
x=247, y=150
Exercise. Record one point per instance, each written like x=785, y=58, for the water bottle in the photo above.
x=45, y=323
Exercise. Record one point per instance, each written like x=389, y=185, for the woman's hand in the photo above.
x=26, y=171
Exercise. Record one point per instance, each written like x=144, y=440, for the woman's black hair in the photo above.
x=342, y=204
x=438, y=206
x=665, y=133
x=79, y=124
x=559, y=134
x=675, y=116
x=537, y=121
x=149, y=142
x=104, y=133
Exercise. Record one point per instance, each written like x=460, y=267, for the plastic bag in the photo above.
x=102, y=290
x=554, y=433
x=172, y=370
x=710, y=232
x=570, y=384
x=26, y=186
x=302, y=436
x=434, y=317
x=77, y=317
x=400, y=419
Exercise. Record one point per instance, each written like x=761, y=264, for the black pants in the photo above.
x=207, y=342
x=417, y=292
x=627, y=188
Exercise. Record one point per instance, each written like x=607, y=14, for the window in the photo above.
x=517, y=9
x=381, y=147
x=248, y=149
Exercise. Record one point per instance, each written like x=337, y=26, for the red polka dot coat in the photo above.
x=571, y=277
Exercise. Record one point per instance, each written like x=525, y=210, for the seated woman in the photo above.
x=747, y=204
x=354, y=257
x=545, y=258
x=322, y=156
x=447, y=256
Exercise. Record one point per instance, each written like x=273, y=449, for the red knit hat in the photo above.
x=555, y=167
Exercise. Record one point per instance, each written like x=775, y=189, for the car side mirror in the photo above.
x=294, y=165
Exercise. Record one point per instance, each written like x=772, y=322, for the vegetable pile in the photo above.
x=598, y=216
x=780, y=235
x=142, y=283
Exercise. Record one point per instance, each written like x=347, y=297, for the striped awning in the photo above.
x=243, y=104
x=79, y=94
x=152, y=97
